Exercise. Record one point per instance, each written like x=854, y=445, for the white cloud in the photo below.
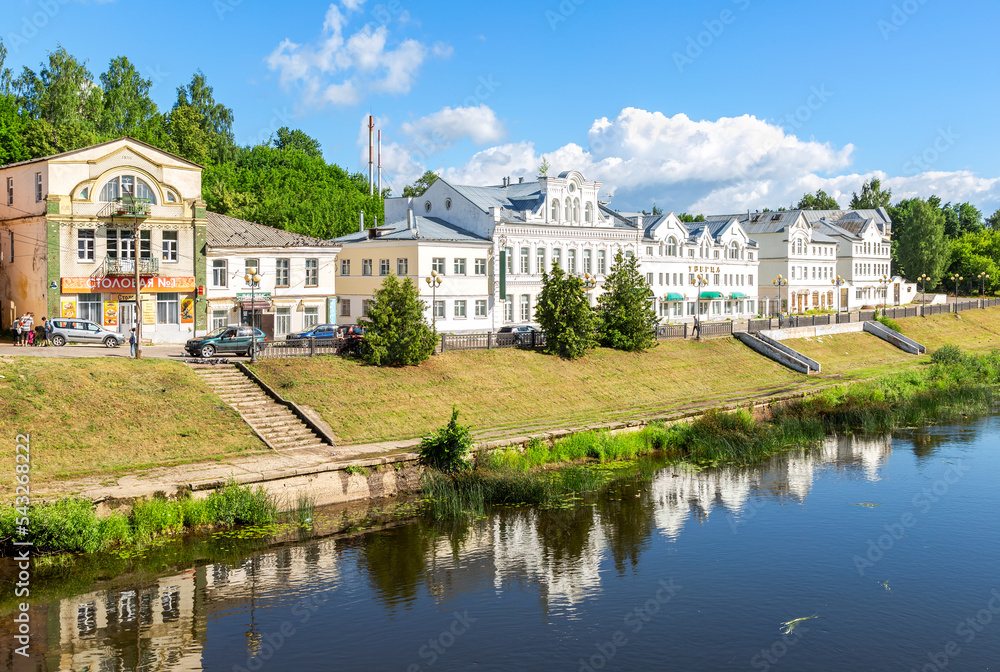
x=334, y=70
x=731, y=164
x=442, y=128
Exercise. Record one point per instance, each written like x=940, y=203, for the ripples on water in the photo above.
x=890, y=543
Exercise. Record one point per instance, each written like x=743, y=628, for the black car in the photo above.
x=520, y=335
x=235, y=339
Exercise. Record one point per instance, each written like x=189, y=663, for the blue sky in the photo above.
x=712, y=107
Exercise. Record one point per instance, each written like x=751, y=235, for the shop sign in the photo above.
x=149, y=312
x=68, y=309
x=110, y=313
x=187, y=311
x=127, y=284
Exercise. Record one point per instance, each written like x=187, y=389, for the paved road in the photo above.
x=153, y=351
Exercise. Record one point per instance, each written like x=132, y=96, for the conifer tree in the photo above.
x=627, y=316
x=565, y=315
x=397, y=333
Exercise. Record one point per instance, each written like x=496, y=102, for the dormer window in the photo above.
x=447, y=204
x=588, y=213
x=171, y=197
x=127, y=186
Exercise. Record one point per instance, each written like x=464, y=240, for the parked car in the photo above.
x=351, y=335
x=234, y=339
x=84, y=331
x=520, y=335
x=320, y=331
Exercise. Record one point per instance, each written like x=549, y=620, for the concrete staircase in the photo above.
x=275, y=423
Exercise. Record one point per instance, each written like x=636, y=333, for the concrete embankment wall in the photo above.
x=782, y=354
x=814, y=331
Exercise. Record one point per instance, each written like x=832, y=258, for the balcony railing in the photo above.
x=126, y=207
x=112, y=266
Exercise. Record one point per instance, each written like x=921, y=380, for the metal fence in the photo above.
x=306, y=348
x=668, y=331
x=489, y=340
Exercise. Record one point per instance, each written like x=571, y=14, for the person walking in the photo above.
x=46, y=332
x=27, y=329
x=15, y=330
x=131, y=342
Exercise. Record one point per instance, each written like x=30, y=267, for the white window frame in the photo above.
x=283, y=272
x=345, y=267
x=481, y=308
x=282, y=321
x=310, y=316
x=86, y=245
x=220, y=270
x=169, y=247
x=480, y=267
x=312, y=272
x=459, y=265
x=460, y=309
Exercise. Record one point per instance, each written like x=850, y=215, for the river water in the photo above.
x=890, y=547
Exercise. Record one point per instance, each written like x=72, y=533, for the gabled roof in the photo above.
x=518, y=197
x=431, y=229
x=225, y=231
x=102, y=144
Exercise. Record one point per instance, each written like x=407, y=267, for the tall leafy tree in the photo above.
x=188, y=136
x=63, y=93
x=976, y=253
x=627, y=316
x=818, y=201
x=872, y=197
x=397, y=330
x=216, y=120
x=921, y=245
x=422, y=184
x=993, y=221
x=127, y=109
x=289, y=139
x=687, y=219
x=564, y=314
x=961, y=218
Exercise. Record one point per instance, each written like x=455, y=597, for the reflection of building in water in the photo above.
x=162, y=626
x=787, y=477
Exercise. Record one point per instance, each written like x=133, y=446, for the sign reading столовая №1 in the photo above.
x=127, y=284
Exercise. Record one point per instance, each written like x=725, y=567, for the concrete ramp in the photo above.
x=779, y=352
x=894, y=337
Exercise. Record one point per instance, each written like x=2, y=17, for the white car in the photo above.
x=65, y=330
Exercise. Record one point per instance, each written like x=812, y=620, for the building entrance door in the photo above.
x=126, y=316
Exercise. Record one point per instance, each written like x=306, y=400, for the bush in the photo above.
x=448, y=448
x=240, y=505
x=397, y=331
x=948, y=354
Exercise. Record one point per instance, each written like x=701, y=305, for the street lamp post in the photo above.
x=957, y=278
x=838, y=282
x=922, y=279
x=778, y=282
x=983, y=277
x=699, y=282
x=434, y=280
x=884, y=281
x=253, y=280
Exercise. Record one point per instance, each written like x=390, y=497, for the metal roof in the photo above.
x=425, y=228
x=226, y=231
x=101, y=144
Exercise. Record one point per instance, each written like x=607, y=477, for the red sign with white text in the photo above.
x=126, y=284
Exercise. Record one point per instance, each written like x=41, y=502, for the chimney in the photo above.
x=638, y=220
x=361, y=221
x=520, y=180
x=409, y=218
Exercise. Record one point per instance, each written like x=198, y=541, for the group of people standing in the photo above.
x=26, y=332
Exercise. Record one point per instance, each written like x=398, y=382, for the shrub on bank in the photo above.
x=448, y=448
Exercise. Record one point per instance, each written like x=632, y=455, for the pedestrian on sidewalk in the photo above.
x=28, y=329
x=15, y=330
x=131, y=342
x=46, y=332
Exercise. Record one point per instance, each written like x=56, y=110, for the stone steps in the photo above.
x=278, y=426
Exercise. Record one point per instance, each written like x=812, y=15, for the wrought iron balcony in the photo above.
x=127, y=207
x=112, y=266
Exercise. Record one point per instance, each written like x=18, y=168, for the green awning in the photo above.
x=674, y=296
x=711, y=295
x=737, y=295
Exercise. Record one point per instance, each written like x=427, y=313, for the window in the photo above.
x=588, y=212
x=734, y=251
x=587, y=267
x=145, y=245
x=508, y=308
x=571, y=261
x=312, y=272
x=282, y=272
x=540, y=260
x=439, y=309
x=366, y=267
x=509, y=254
x=169, y=246
x=127, y=185
x=38, y=187
x=282, y=321
x=480, y=267
x=460, y=308
x=437, y=264
x=88, y=307
x=310, y=316
x=251, y=266
x=649, y=279
x=459, y=266
x=556, y=257
x=402, y=267
x=649, y=250
x=715, y=280
x=85, y=244
x=555, y=209
x=366, y=305
x=10, y=191
x=447, y=204
x=220, y=318
x=525, y=260
x=345, y=266
x=480, y=307
x=166, y=308
x=383, y=267
x=525, y=307
x=671, y=247
x=345, y=307
x=750, y=280
x=602, y=262
x=171, y=197
x=220, y=273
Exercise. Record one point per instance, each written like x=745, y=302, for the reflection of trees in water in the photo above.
x=395, y=560
x=627, y=516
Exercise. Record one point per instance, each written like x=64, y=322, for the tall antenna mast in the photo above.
x=380, y=162
x=371, y=151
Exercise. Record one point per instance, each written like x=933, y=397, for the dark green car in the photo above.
x=226, y=340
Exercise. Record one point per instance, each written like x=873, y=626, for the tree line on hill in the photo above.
x=283, y=182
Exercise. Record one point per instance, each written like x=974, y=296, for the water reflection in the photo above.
x=562, y=556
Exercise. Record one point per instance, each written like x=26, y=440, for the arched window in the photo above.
x=569, y=210
x=127, y=185
x=555, y=210
x=576, y=210
x=671, y=246
x=734, y=250
x=588, y=212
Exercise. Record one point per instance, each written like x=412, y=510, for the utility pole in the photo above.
x=371, y=152
x=136, y=253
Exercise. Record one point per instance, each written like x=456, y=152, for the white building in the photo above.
x=492, y=245
x=296, y=290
